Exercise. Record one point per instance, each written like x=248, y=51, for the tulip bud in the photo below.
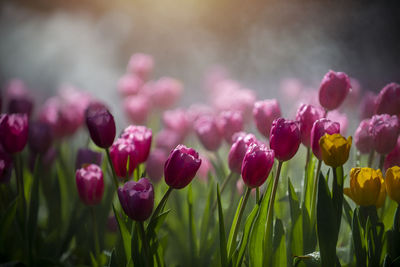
x=362, y=137
x=141, y=137
x=335, y=149
x=137, y=108
x=18, y=98
x=384, y=130
x=307, y=115
x=87, y=156
x=230, y=122
x=388, y=100
x=14, y=132
x=167, y=139
x=257, y=164
x=40, y=137
x=392, y=181
x=284, y=138
x=319, y=129
x=137, y=199
x=5, y=167
x=166, y=92
x=367, y=187
x=208, y=132
x=393, y=158
x=122, y=152
x=155, y=164
x=367, y=105
x=238, y=150
x=181, y=166
x=90, y=184
x=101, y=125
x=264, y=113
x=176, y=120
x=129, y=85
x=141, y=65
x=333, y=89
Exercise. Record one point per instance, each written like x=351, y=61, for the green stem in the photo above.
x=112, y=169
x=145, y=245
x=396, y=219
x=161, y=205
x=381, y=162
x=314, y=194
x=224, y=184
x=371, y=158
x=307, y=158
x=95, y=233
x=257, y=195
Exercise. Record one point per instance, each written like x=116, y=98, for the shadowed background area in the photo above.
x=88, y=43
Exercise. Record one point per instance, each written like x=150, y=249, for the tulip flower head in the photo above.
x=129, y=84
x=137, y=108
x=141, y=65
x=90, y=184
x=18, y=98
x=208, y=132
x=257, y=164
x=393, y=158
x=388, y=100
x=367, y=105
x=141, y=137
x=124, y=157
x=100, y=124
x=362, y=137
x=367, y=187
x=40, y=137
x=230, y=122
x=181, y=166
x=320, y=128
x=238, y=151
x=392, y=181
x=176, y=120
x=333, y=89
x=137, y=199
x=14, y=132
x=284, y=138
x=166, y=92
x=384, y=130
x=307, y=115
x=155, y=164
x=87, y=156
x=264, y=113
x=335, y=149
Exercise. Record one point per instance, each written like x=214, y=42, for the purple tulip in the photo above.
x=122, y=151
x=5, y=166
x=137, y=199
x=388, y=100
x=100, y=124
x=230, y=122
x=141, y=137
x=333, y=89
x=208, y=132
x=40, y=137
x=362, y=137
x=284, y=138
x=320, y=128
x=367, y=105
x=307, y=115
x=393, y=158
x=257, y=164
x=14, y=132
x=384, y=130
x=264, y=113
x=87, y=156
x=155, y=164
x=90, y=184
x=18, y=98
x=181, y=166
x=238, y=151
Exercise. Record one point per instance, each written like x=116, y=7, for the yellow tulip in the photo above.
x=367, y=187
x=393, y=183
x=335, y=149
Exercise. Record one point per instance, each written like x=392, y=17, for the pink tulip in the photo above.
x=90, y=184
x=384, y=130
x=137, y=108
x=167, y=140
x=368, y=105
x=388, y=100
x=264, y=113
x=238, y=150
x=141, y=137
x=285, y=138
x=122, y=153
x=205, y=168
x=129, y=84
x=176, y=120
x=141, y=65
x=155, y=164
x=341, y=118
x=333, y=89
x=307, y=115
x=393, y=158
x=320, y=128
x=166, y=92
x=230, y=122
x=362, y=137
x=208, y=132
x=14, y=129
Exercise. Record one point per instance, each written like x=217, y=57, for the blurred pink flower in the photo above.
x=208, y=132
x=176, y=120
x=165, y=92
x=230, y=122
x=129, y=84
x=204, y=169
x=340, y=118
x=264, y=113
x=141, y=65
x=137, y=108
x=290, y=89
x=368, y=105
x=155, y=164
x=393, y=158
x=168, y=140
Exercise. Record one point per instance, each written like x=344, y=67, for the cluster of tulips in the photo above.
x=134, y=224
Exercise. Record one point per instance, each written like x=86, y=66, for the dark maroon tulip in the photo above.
x=87, y=156
x=384, y=130
x=393, y=158
x=333, y=89
x=14, y=132
x=155, y=164
x=230, y=122
x=18, y=98
x=363, y=138
x=181, y=166
x=141, y=137
x=367, y=105
x=307, y=115
x=208, y=132
x=20, y=105
x=122, y=151
x=90, y=184
x=264, y=113
x=40, y=137
x=137, y=199
x=257, y=164
x=5, y=166
x=284, y=138
x=388, y=100
x=320, y=128
x=238, y=150
x=100, y=124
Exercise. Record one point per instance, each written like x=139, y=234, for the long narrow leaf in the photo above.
x=222, y=236
x=126, y=236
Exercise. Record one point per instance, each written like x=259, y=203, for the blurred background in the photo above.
x=88, y=43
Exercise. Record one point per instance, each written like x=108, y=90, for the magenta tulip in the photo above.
x=307, y=115
x=100, y=124
x=238, y=151
x=141, y=137
x=393, y=158
x=284, y=138
x=18, y=98
x=384, y=130
x=181, y=166
x=230, y=122
x=14, y=132
x=363, y=138
x=333, y=89
x=264, y=113
x=90, y=184
x=122, y=151
x=155, y=164
x=208, y=132
x=137, y=199
x=388, y=100
x=320, y=128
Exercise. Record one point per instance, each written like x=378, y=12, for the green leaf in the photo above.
x=279, y=245
x=359, y=249
x=126, y=236
x=93, y=260
x=205, y=221
x=310, y=260
x=7, y=219
x=309, y=183
x=231, y=242
x=156, y=223
x=326, y=224
x=337, y=195
x=113, y=259
x=296, y=231
x=192, y=226
x=222, y=236
x=34, y=203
